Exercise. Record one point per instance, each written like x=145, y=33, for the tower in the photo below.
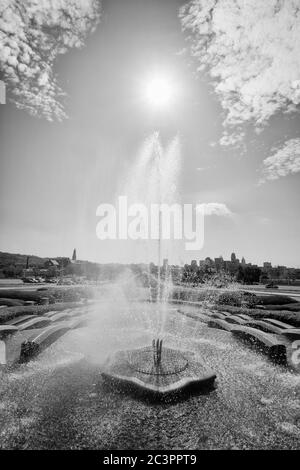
x=74, y=255
x=233, y=257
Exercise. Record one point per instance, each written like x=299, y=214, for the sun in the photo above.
x=159, y=92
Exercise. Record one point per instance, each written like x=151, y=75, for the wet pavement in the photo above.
x=59, y=401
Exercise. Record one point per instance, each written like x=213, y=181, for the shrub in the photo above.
x=230, y=298
x=219, y=280
x=250, y=300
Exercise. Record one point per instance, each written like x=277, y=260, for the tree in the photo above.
x=249, y=274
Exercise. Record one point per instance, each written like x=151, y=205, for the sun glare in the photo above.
x=159, y=92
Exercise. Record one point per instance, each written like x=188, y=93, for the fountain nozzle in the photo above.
x=157, y=349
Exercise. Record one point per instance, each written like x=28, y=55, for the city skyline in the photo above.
x=189, y=262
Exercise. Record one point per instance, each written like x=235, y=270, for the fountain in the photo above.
x=157, y=370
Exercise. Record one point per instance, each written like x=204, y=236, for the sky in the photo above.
x=235, y=114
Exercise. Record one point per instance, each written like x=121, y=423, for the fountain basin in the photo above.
x=135, y=370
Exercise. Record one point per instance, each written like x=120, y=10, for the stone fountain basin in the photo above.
x=134, y=369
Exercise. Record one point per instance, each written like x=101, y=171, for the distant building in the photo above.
x=267, y=264
x=52, y=267
x=209, y=262
x=51, y=263
x=63, y=261
x=27, y=272
x=243, y=262
x=233, y=258
x=282, y=271
x=194, y=264
x=219, y=263
x=74, y=259
x=176, y=272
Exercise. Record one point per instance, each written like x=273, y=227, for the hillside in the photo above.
x=16, y=259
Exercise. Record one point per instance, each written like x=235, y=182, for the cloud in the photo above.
x=251, y=50
x=283, y=162
x=231, y=139
x=215, y=208
x=32, y=34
